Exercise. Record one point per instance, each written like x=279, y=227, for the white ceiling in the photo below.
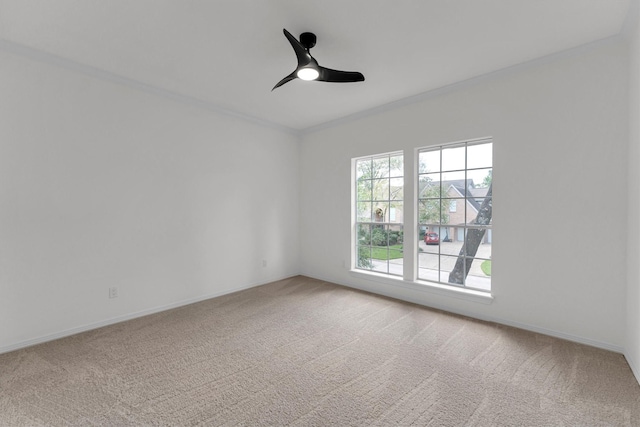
x=228, y=54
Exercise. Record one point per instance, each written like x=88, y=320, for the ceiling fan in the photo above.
x=308, y=68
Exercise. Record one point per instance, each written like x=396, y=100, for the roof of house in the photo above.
x=477, y=193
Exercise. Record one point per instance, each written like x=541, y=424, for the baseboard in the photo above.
x=506, y=322
x=118, y=319
x=634, y=367
x=124, y=318
x=557, y=334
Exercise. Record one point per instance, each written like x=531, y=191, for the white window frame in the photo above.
x=409, y=281
x=387, y=222
x=468, y=281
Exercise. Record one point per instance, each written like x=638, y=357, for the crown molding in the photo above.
x=51, y=59
x=97, y=73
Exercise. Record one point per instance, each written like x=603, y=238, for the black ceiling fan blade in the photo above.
x=303, y=55
x=285, y=80
x=307, y=64
x=337, y=76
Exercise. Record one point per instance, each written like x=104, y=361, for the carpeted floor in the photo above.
x=309, y=353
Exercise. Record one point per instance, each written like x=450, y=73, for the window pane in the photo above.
x=396, y=212
x=454, y=184
x=479, y=274
x=427, y=245
x=380, y=266
x=364, y=189
x=474, y=207
x=394, y=253
x=429, y=185
x=481, y=177
x=396, y=235
x=378, y=235
x=364, y=212
x=480, y=239
x=364, y=257
x=396, y=188
x=386, y=250
x=446, y=235
x=364, y=234
x=479, y=156
x=477, y=243
x=363, y=168
x=447, y=264
x=380, y=253
x=429, y=211
x=453, y=158
x=380, y=189
x=397, y=166
x=429, y=266
x=380, y=212
x=381, y=167
x=429, y=161
x=454, y=211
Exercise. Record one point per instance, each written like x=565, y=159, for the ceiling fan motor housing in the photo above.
x=308, y=40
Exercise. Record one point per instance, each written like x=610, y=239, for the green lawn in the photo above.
x=381, y=253
x=486, y=267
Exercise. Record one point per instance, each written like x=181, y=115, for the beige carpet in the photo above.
x=308, y=353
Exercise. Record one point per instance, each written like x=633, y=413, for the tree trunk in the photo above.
x=472, y=242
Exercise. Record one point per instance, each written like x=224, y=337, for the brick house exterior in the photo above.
x=460, y=211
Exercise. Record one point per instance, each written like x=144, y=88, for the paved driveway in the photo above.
x=437, y=268
x=453, y=249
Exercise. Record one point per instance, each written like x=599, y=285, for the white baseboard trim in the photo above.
x=123, y=318
x=557, y=334
x=130, y=316
x=634, y=367
x=388, y=292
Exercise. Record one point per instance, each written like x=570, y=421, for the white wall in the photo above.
x=103, y=185
x=560, y=145
x=632, y=348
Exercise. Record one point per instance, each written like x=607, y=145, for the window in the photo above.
x=447, y=215
x=455, y=201
x=379, y=190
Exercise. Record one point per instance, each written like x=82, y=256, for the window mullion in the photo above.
x=410, y=221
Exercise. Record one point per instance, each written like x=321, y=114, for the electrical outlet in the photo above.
x=113, y=292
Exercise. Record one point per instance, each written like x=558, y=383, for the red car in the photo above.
x=431, y=239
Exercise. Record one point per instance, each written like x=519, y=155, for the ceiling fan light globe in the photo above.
x=308, y=74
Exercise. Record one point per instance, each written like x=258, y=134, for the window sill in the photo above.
x=426, y=287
